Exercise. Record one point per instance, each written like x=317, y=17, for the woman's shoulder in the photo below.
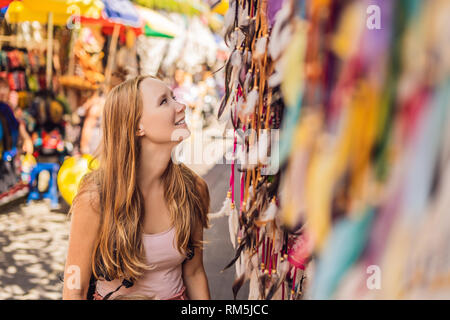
x=88, y=194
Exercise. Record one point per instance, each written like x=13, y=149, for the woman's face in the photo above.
x=162, y=116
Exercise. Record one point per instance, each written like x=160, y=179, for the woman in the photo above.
x=138, y=219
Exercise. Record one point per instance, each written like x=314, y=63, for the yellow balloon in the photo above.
x=70, y=174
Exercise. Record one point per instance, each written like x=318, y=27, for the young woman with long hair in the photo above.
x=137, y=220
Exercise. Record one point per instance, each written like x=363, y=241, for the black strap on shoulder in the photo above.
x=126, y=283
x=91, y=290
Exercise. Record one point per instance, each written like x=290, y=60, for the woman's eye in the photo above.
x=174, y=98
x=164, y=101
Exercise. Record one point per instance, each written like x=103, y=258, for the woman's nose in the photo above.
x=181, y=107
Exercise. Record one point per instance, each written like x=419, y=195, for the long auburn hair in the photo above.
x=119, y=251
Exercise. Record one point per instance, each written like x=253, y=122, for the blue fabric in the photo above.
x=13, y=124
x=122, y=11
x=1, y=131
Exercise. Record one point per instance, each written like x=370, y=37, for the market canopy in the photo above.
x=189, y=7
x=32, y=10
x=158, y=23
x=149, y=32
x=117, y=12
x=103, y=12
x=5, y=3
x=121, y=12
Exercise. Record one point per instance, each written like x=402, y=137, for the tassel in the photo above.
x=254, y=261
x=237, y=254
x=263, y=254
x=279, y=278
x=240, y=104
x=252, y=158
x=263, y=147
x=225, y=210
x=248, y=108
x=250, y=196
x=243, y=17
x=242, y=264
x=275, y=79
x=240, y=37
x=233, y=224
x=278, y=246
x=236, y=59
x=260, y=48
x=237, y=284
x=248, y=58
x=254, y=286
x=229, y=19
x=268, y=215
x=252, y=100
x=281, y=32
x=293, y=283
x=247, y=81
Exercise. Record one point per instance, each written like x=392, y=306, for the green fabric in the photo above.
x=149, y=32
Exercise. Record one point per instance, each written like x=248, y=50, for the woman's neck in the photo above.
x=153, y=161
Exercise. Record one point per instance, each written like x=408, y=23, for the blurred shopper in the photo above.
x=15, y=126
x=91, y=131
x=93, y=109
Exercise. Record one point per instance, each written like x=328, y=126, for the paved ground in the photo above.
x=33, y=242
x=219, y=251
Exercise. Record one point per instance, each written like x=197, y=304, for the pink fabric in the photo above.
x=164, y=281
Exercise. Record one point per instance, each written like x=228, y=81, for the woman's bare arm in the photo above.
x=83, y=234
x=194, y=275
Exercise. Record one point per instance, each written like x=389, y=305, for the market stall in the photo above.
x=355, y=207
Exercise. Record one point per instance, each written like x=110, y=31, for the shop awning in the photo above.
x=189, y=7
x=123, y=12
x=5, y=3
x=32, y=10
x=103, y=12
x=158, y=22
x=117, y=12
x=149, y=32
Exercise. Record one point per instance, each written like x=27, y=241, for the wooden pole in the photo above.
x=73, y=39
x=71, y=95
x=48, y=74
x=111, y=55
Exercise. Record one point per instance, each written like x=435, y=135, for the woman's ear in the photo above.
x=140, y=132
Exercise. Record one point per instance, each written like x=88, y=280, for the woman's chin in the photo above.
x=180, y=133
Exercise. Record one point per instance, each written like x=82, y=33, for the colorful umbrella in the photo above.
x=5, y=3
x=190, y=7
x=31, y=10
x=122, y=12
x=158, y=22
x=149, y=32
x=116, y=12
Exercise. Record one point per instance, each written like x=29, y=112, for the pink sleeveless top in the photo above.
x=164, y=281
